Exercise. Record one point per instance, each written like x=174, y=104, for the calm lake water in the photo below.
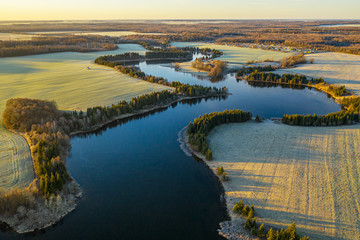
x=341, y=25
x=139, y=184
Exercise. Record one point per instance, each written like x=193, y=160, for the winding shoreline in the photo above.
x=233, y=229
x=48, y=212
x=144, y=111
x=319, y=87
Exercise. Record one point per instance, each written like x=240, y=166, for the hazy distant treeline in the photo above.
x=53, y=44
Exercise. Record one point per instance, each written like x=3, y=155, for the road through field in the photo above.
x=306, y=175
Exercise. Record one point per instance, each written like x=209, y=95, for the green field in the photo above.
x=237, y=55
x=65, y=78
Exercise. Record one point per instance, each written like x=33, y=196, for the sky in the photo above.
x=177, y=9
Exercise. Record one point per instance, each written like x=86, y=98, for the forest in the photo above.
x=40, y=45
x=331, y=119
x=201, y=126
x=247, y=70
x=49, y=143
x=291, y=79
x=293, y=34
x=352, y=104
x=171, y=54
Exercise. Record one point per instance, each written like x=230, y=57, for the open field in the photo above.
x=65, y=78
x=336, y=68
x=14, y=36
x=305, y=175
x=110, y=34
x=237, y=55
x=16, y=168
x=116, y=33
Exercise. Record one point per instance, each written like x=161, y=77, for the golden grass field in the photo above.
x=306, y=175
x=16, y=168
x=65, y=78
x=237, y=55
x=336, y=68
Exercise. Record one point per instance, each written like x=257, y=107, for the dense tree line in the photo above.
x=247, y=70
x=85, y=121
x=119, y=57
x=39, y=45
x=111, y=60
x=201, y=126
x=49, y=143
x=352, y=104
x=292, y=79
x=261, y=75
x=337, y=90
x=169, y=53
x=331, y=119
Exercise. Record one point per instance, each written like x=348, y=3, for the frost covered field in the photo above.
x=16, y=168
x=338, y=68
x=306, y=175
x=237, y=55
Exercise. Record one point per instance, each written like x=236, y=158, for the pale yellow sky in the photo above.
x=178, y=9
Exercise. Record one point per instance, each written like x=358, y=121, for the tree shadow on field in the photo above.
x=302, y=220
x=270, y=176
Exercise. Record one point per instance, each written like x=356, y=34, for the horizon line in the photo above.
x=187, y=19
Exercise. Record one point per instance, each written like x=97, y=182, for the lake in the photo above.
x=137, y=181
x=340, y=25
